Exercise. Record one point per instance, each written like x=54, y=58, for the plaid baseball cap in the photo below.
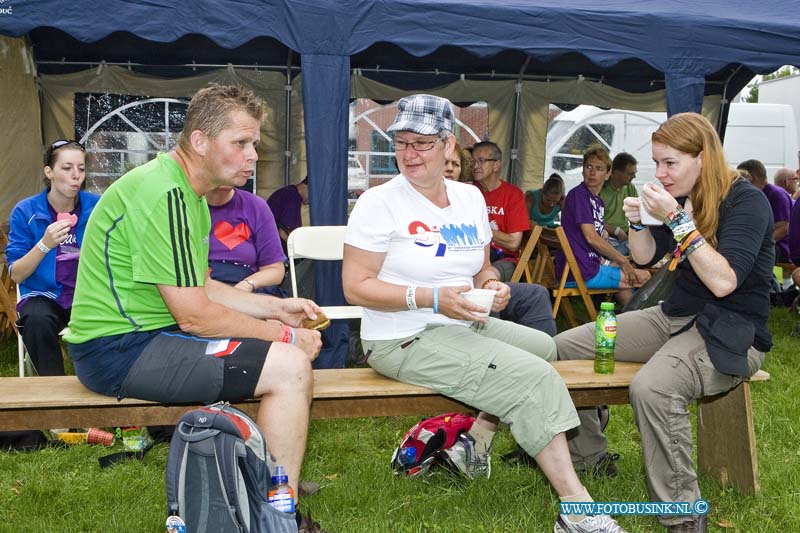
x=424, y=114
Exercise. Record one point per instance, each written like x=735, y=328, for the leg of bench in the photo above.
x=726, y=442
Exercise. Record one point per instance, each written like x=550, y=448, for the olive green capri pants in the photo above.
x=499, y=367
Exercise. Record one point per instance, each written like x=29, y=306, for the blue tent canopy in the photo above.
x=690, y=48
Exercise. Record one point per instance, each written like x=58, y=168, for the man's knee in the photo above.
x=287, y=368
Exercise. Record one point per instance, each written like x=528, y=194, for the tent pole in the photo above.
x=722, y=120
x=287, y=153
x=128, y=64
x=515, y=126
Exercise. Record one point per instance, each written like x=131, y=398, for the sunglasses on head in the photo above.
x=65, y=142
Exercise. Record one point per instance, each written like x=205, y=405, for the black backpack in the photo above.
x=218, y=475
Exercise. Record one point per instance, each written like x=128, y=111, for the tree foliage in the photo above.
x=783, y=72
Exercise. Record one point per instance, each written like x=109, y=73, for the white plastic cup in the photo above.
x=481, y=297
x=644, y=214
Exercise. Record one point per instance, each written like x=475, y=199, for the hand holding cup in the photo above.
x=482, y=297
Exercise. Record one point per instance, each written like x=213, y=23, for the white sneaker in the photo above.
x=462, y=457
x=601, y=523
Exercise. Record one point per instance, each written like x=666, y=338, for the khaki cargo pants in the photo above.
x=501, y=368
x=678, y=371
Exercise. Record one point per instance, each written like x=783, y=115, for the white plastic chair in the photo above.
x=22, y=353
x=25, y=363
x=324, y=243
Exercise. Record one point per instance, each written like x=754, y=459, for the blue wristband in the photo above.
x=293, y=337
x=436, y=300
x=636, y=227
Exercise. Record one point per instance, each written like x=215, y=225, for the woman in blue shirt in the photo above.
x=43, y=248
x=544, y=205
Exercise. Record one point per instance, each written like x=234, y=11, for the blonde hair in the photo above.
x=600, y=153
x=466, y=163
x=692, y=134
x=211, y=108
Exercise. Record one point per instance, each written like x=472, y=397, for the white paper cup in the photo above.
x=481, y=297
x=647, y=218
x=644, y=214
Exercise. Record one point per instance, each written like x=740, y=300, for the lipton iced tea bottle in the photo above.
x=605, y=339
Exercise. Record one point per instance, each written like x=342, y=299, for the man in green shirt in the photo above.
x=148, y=323
x=614, y=191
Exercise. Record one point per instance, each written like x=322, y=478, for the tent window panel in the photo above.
x=123, y=131
x=570, y=155
x=381, y=162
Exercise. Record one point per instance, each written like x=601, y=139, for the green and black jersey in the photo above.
x=149, y=228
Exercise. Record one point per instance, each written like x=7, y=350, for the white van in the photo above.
x=357, y=179
x=766, y=132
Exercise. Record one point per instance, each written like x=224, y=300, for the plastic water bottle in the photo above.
x=605, y=339
x=408, y=456
x=281, y=495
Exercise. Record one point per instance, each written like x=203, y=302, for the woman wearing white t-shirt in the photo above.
x=412, y=246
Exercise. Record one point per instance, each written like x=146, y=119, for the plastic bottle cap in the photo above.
x=607, y=306
x=279, y=476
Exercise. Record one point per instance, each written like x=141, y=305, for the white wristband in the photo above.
x=618, y=231
x=411, y=298
x=43, y=247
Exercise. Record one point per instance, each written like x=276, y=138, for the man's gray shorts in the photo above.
x=179, y=368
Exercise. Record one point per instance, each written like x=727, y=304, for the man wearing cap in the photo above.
x=413, y=246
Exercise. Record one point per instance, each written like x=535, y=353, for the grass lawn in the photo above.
x=65, y=490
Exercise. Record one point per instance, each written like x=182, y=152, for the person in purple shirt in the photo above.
x=244, y=246
x=582, y=220
x=779, y=201
x=285, y=204
x=43, y=249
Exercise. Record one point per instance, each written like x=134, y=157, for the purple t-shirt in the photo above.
x=794, y=233
x=581, y=207
x=285, y=204
x=67, y=254
x=781, y=204
x=243, y=231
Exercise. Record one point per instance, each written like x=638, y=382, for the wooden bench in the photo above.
x=726, y=440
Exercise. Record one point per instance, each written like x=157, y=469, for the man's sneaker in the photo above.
x=519, y=456
x=604, y=467
x=604, y=414
x=696, y=525
x=308, y=488
x=601, y=523
x=305, y=524
x=463, y=458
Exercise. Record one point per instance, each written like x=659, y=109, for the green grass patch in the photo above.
x=65, y=490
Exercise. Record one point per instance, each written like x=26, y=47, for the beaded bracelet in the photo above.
x=488, y=281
